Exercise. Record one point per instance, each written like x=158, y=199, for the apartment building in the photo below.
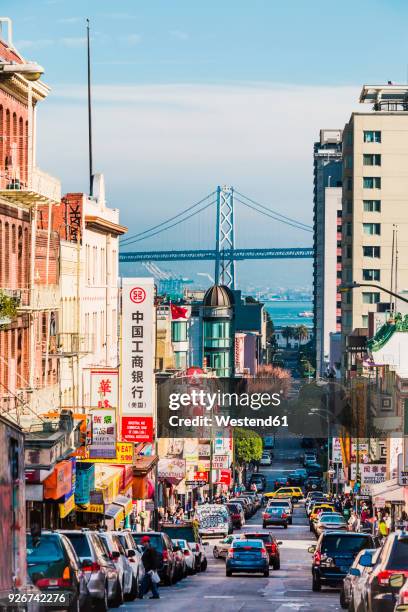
x=327, y=212
x=88, y=338
x=29, y=250
x=375, y=214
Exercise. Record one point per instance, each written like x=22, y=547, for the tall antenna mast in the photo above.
x=392, y=306
x=396, y=265
x=89, y=111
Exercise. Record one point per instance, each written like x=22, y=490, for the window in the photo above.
x=371, y=251
x=338, y=273
x=179, y=331
x=371, y=297
x=339, y=259
x=349, y=183
x=372, y=182
x=349, y=139
x=349, y=206
x=349, y=251
x=372, y=205
x=372, y=136
x=348, y=161
x=364, y=321
x=348, y=228
x=372, y=229
x=372, y=159
x=339, y=214
x=371, y=275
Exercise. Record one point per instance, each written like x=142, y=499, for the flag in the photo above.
x=179, y=312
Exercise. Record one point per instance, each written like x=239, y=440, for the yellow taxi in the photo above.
x=294, y=492
x=317, y=509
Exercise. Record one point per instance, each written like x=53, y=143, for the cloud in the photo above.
x=38, y=43
x=73, y=42
x=179, y=35
x=132, y=39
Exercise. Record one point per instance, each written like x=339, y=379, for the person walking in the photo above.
x=382, y=528
x=150, y=560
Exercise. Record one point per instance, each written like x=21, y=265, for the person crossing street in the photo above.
x=150, y=562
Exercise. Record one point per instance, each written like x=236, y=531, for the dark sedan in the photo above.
x=248, y=556
x=275, y=515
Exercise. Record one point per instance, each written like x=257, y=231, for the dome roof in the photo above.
x=218, y=295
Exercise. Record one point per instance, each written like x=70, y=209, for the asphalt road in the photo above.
x=286, y=589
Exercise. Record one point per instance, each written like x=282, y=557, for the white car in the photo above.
x=265, y=459
x=189, y=555
x=221, y=549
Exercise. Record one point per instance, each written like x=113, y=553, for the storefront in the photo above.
x=143, y=491
x=389, y=496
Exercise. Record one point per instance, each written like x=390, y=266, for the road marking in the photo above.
x=219, y=596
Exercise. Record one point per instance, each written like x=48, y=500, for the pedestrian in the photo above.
x=150, y=560
x=388, y=522
x=382, y=528
x=402, y=522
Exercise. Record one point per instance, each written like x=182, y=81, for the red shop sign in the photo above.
x=137, y=428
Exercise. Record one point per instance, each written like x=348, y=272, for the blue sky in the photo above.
x=192, y=94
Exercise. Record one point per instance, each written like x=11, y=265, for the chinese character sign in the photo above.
x=138, y=343
x=104, y=388
x=103, y=434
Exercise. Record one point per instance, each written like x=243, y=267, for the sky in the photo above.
x=191, y=95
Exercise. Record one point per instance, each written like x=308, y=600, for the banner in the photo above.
x=104, y=387
x=137, y=354
x=370, y=473
x=103, y=425
x=124, y=454
x=239, y=346
x=220, y=462
x=171, y=469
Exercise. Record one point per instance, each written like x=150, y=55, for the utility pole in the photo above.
x=89, y=110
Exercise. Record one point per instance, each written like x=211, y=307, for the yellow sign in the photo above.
x=98, y=508
x=66, y=507
x=124, y=455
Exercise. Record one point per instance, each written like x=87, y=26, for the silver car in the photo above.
x=117, y=553
x=135, y=560
x=100, y=572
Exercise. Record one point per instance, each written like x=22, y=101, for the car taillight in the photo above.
x=165, y=555
x=94, y=567
x=231, y=553
x=264, y=553
x=51, y=582
x=284, y=515
x=236, y=515
x=186, y=553
x=273, y=549
x=265, y=515
x=384, y=577
x=317, y=558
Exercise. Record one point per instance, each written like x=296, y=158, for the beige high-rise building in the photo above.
x=375, y=205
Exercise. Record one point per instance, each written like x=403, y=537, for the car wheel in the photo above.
x=134, y=591
x=118, y=601
x=343, y=602
x=285, y=526
x=276, y=565
x=228, y=573
x=101, y=605
x=316, y=584
x=266, y=573
x=204, y=565
x=216, y=553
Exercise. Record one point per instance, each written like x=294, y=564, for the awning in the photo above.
x=143, y=465
x=123, y=502
x=388, y=491
x=116, y=513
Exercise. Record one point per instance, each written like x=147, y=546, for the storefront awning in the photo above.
x=143, y=465
x=389, y=491
x=125, y=503
x=116, y=513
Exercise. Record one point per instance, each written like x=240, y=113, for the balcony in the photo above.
x=71, y=344
x=42, y=188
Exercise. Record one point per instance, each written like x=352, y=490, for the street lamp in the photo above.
x=29, y=70
x=344, y=287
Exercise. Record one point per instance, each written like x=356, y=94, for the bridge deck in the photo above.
x=210, y=254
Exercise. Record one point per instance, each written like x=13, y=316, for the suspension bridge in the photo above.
x=225, y=253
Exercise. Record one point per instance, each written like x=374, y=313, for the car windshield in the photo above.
x=80, y=543
x=331, y=518
x=399, y=555
x=155, y=540
x=48, y=550
x=180, y=543
x=345, y=543
x=274, y=508
x=281, y=503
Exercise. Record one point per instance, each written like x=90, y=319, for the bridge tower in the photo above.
x=224, y=239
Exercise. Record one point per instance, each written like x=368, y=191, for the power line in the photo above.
x=271, y=216
x=131, y=238
x=274, y=212
x=172, y=225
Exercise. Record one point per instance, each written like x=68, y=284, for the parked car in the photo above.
x=334, y=554
x=54, y=567
x=221, y=548
x=352, y=588
x=134, y=558
x=266, y=459
x=284, y=502
x=330, y=521
x=380, y=594
x=275, y=515
x=101, y=575
x=214, y=520
x=246, y=503
x=188, y=555
x=256, y=499
x=180, y=563
x=259, y=480
x=249, y=556
x=163, y=545
x=237, y=514
x=117, y=553
x=271, y=544
x=188, y=530
x=401, y=599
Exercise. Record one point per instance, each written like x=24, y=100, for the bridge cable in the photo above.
x=271, y=216
x=130, y=238
x=170, y=226
x=309, y=227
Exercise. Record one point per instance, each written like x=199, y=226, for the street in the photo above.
x=286, y=589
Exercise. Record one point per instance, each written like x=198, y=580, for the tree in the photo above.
x=247, y=447
x=271, y=379
x=302, y=333
x=288, y=333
